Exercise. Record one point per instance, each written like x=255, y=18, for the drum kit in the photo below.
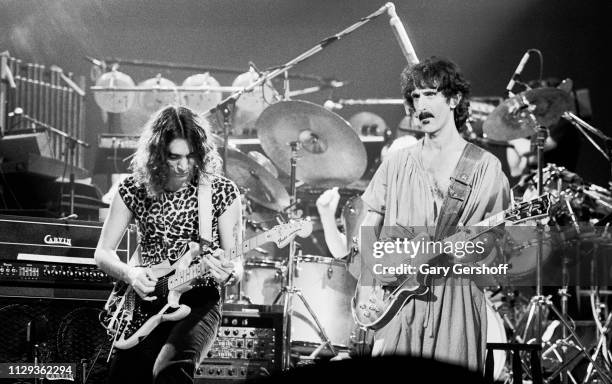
x=320, y=149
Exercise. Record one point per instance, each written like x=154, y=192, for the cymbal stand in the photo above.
x=290, y=290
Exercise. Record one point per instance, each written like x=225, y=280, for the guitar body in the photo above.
x=140, y=317
x=373, y=305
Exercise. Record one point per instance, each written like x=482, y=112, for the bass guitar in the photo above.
x=129, y=318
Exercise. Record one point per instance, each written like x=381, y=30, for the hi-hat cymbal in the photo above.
x=262, y=187
x=511, y=119
x=330, y=152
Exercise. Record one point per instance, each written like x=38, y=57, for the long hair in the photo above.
x=150, y=162
x=443, y=75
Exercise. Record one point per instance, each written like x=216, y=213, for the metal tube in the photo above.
x=20, y=92
x=81, y=121
x=39, y=91
x=47, y=96
x=54, y=118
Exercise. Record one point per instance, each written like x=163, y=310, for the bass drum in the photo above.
x=328, y=287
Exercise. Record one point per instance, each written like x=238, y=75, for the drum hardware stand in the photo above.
x=290, y=290
x=602, y=329
x=538, y=301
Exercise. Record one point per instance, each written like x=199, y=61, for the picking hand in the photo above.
x=142, y=281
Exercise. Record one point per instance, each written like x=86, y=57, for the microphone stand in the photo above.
x=267, y=76
x=582, y=127
x=71, y=143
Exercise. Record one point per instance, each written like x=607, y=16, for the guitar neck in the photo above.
x=197, y=270
x=252, y=243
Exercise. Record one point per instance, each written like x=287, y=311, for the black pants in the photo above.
x=171, y=352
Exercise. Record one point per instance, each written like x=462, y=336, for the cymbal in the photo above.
x=330, y=152
x=368, y=123
x=262, y=187
x=511, y=119
x=262, y=160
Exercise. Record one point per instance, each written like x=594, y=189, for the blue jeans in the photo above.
x=171, y=353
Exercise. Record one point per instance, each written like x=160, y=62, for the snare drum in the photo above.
x=262, y=281
x=328, y=287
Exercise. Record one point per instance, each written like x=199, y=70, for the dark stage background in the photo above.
x=486, y=38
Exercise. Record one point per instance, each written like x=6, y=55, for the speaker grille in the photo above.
x=64, y=331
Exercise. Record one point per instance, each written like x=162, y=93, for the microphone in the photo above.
x=331, y=105
x=401, y=36
x=517, y=71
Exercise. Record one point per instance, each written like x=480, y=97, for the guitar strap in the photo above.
x=458, y=191
x=205, y=214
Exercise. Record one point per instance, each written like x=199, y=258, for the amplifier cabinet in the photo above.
x=53, y=253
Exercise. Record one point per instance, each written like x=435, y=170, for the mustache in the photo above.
x=425, y=115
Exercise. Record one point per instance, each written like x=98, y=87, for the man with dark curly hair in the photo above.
x=418, y=189
x=175, y=156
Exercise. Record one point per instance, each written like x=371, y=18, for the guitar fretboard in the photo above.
x=197, y=270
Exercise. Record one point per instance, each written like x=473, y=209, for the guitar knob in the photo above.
x=366, y=313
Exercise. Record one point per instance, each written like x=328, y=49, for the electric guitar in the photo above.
x=129, y=319
x=374, y=305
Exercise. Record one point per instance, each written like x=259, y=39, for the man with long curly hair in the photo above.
x=174, y=156
x=412, y=192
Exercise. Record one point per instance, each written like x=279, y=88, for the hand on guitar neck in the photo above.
x=224, y=270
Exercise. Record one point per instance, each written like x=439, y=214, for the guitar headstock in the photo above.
x=537, y=208
x=284, y=233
